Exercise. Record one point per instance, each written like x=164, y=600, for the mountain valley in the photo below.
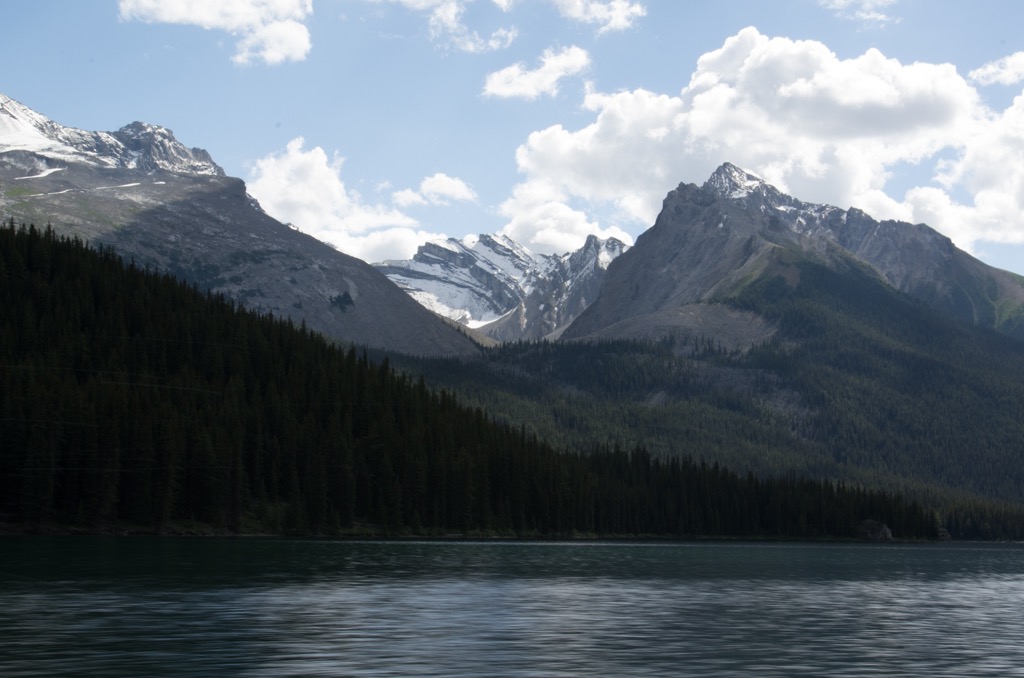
x=744, y=328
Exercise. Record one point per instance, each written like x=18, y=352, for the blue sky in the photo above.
x=377, y=124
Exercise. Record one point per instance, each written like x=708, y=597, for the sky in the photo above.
x=376, y=125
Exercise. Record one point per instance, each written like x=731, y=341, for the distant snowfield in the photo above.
x=44, y=173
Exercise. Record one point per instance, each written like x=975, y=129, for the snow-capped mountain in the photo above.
x=136, y=146
x=169, y=207
x=499, y=287
x=710, y=242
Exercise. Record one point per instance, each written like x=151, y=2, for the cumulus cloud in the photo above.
x=610, y=15
x=542, y=219
x=447, y=24
x=305, y=188
x=438, y=189
x=268, y=30
x=989, y=168
x=860, y=10
x=822, y=128
x=1006, y=71
x=517, y=81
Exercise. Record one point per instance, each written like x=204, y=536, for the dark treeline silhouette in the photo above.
x=130, y=399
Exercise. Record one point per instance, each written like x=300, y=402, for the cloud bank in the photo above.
x=271, y=31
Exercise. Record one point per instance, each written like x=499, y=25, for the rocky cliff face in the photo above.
x=500, y=288
x=141, y=192
x=710, y=241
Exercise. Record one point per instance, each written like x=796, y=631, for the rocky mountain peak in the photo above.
x=729, y=181
x=154, y=147
x=596, y=252
x=493, y=284
x=710, y=242
x=138, y=146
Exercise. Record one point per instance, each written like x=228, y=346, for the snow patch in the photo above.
x=44, y=173
x=733, y=182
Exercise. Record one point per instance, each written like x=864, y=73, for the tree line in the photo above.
x=130, y=399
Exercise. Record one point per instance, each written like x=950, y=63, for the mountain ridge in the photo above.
x=137, y=145
x=502, y=289
x=710, y=241
x=166, y=206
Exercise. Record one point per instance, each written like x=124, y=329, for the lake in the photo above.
x=91, y=606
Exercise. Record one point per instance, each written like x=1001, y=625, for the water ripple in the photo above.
x=293, y=608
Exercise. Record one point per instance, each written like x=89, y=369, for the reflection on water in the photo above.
x=253, y=607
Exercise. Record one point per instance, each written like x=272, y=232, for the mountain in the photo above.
x=750, y=336
x=502, y=289
x=216, y=418
x=169, y=207
x=710, y=242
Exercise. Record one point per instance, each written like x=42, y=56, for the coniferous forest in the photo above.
x=131, y=401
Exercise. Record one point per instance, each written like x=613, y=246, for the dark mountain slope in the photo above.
x=775, y=351
x=859, y=383
x=132, y=402
x=891, y=384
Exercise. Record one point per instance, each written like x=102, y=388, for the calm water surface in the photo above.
x=262, y=607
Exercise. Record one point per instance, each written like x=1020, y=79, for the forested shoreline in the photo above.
x=130, y=398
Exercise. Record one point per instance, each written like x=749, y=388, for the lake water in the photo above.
x=268, y=607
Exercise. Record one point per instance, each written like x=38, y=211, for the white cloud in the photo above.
x=541, y=219
x=305, y=188
x=612, y=15
x=516, y=81
x=268, y=30
x=447, y=20
x=860, y=10
x=446, y=23
x=438, y=189
x=989, y=168
x=1006, y=71
x=822, y=128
